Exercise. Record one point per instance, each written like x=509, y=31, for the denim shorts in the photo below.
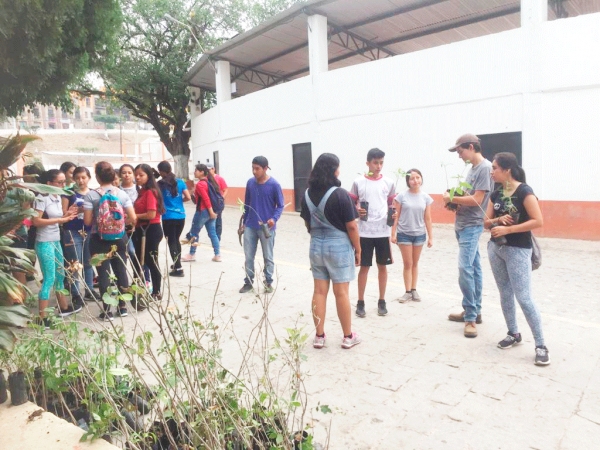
x=405, y=239
x=332, y=259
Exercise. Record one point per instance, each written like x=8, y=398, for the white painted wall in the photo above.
x=543, y=80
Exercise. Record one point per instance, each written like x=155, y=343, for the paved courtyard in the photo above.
x=415, y=382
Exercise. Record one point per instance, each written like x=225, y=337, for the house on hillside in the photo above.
x=409, y=77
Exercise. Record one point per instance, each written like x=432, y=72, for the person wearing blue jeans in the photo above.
x=205, y=215
x=468, y=227
x=263, y=206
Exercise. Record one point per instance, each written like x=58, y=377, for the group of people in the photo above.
x=339, y=242
x=347, y=229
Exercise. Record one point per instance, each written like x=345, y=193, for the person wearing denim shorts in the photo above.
x=412, y=226
x=468, y=228
x=330, y=218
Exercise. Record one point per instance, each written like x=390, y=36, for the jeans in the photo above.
x=251, y=238
x=470, y=276
x=76, y=248
x=202, y=218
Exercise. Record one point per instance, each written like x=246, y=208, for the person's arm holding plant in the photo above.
x=534, y=212
x=398, y=209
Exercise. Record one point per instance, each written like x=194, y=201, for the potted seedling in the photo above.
x=460, y=189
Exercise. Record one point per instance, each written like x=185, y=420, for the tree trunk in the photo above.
x=181, y=166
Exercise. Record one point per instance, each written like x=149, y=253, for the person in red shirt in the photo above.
x=223, y=187
x=205, y=216
x=148, y=207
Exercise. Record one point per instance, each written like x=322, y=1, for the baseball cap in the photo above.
x=261, y=161
x=210, y=166
x=464, y=139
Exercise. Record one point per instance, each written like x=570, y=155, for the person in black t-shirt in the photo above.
x=513, y=211
x=330, y=218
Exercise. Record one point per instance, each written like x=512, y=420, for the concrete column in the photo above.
x=533, y=12
x=223, y=81
x=317, y=44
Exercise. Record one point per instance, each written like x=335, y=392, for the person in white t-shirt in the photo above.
x=374, y=194
x=412, y=227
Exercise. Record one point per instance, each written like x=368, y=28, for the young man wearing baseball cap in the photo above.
x=263, y=206
x=468, y=228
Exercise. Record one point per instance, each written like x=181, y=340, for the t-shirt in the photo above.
x=379, y=193
x=412, y=212
x=77, y=223
x=91, y=201
x=523, y=239
x=52, y=206
x=174, y=208
x=201, y=193
x=480, y=177
x=132, y=192
x=265, y=202
x=145, y=202
x=339, y=209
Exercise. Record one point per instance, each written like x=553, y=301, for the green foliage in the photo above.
x=48, y=47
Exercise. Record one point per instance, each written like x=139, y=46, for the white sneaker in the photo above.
x=188, y=258
x=217, y=258
x=406, y=297
x=415, y=296
x=319, y=342
x=349, y=342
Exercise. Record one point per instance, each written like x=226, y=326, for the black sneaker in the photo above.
x=78, y=303
x=91, y=296
x=268, y=289
x=542, y=356
x=245, y=288
x=72, y=309
x=510, y=340
x=381, y=309
x=122, y=312
x=45, y=322
x=106, y=316
x=360, y=308
x=176, y=273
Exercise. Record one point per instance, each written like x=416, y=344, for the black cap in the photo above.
x=261, y=161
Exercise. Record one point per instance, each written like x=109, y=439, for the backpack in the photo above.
x=216, y=199
x=110, y=219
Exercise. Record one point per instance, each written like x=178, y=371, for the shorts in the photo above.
x=383, y=251
x=332, y=259
x=405, y=239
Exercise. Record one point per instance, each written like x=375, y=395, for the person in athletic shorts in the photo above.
x=374, y=194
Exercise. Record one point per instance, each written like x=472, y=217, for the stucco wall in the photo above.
x=543, y=81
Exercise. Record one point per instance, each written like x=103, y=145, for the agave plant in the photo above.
x=15, y=195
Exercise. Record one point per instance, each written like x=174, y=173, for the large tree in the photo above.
x=161, y=40
x=48, y=46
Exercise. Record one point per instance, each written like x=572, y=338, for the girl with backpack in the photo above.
x=47, y=246
x=76, y=240
x=107, y=210
x=205, y=215
x=148, y=234
x=174, y=192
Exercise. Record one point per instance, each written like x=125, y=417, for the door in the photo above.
x=302, y=156
x=216, y=161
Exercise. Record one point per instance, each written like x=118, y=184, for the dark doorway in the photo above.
x=302, y=155
x=502, y=142
x=216, y=161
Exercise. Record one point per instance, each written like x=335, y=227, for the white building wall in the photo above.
x=543, y=81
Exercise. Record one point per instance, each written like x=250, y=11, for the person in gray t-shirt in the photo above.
x=468, y=228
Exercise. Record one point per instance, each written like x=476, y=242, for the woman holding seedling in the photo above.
x=513, y=211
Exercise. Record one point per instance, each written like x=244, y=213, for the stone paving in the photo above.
x=415, y=382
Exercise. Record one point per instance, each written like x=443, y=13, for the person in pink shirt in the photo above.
x=223, y=188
